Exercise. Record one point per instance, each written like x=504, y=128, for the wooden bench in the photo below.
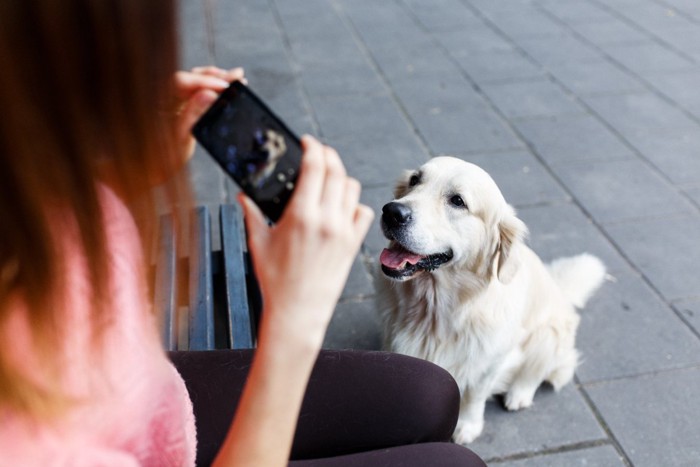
x=221, y=307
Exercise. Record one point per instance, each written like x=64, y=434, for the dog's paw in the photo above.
x=468, y=431
x=519, y=398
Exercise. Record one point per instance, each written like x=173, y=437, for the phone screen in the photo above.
x=253, y=146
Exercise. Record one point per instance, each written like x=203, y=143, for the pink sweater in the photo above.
x=133, y=408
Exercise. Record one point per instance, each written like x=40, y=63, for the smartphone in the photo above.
x=253, y=146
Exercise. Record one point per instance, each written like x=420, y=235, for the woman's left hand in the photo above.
x=195, y=92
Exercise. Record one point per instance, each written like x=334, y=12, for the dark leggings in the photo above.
x=360, y=408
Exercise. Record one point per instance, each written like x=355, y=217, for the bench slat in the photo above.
x=165, y=282
x=201, y=324
x=237, y=303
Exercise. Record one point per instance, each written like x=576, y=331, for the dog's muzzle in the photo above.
x=398, y=262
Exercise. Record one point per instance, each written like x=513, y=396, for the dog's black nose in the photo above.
x=396, y=214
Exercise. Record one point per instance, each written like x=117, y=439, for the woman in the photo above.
x=93, y=120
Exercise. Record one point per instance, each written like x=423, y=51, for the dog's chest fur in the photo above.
x=469, y=333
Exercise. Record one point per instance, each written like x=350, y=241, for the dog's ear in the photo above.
x=401, y=187
x=511, y=231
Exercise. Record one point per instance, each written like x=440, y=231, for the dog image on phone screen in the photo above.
x=268, y=148
x=460, y=288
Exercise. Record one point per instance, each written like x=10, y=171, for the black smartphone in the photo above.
x=253, y=146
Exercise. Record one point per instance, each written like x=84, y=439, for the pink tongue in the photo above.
x=395, y=258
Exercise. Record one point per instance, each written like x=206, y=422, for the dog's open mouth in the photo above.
x=399, y=263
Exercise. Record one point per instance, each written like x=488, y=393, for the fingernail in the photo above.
x=222, y=83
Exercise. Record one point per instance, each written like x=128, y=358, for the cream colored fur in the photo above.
x=495, y=317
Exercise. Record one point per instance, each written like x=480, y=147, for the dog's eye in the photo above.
x=413, y=181
x=457, y=200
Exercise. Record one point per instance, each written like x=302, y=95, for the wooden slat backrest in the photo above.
x=165, y=286
x=240, y=328
x=201, y=322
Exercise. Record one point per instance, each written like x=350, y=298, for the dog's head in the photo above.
x=450, y=214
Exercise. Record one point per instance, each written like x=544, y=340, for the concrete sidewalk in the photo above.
x=587, y=114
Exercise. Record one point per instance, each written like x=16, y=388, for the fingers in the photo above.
x=210, y=77
x=364, y=215
x=325, y=188
x=187, y=83
x=193, y=109
x=334, y=185
x=254, y=218
x=234, y=74
x=311, y=175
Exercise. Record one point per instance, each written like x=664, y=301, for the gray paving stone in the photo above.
x=376, y=197
x=343, y=117
x=654, y=16
x=379, y=159
x=384, y=24
x=408, y=62
x=586, y=78
x=442, y=15
x=564, y=140
x=694, y=194
x=690, y=310
x=355, y=325
x=521, y=177
x=655, y=418
x=599, y=456
x=682, y=39
x=626, y=330
x=315, y=51
x=666, y=251
x=465, y=131
x=531, y=99
x=474, y=39
x=561, y=230
x=269, y=74
x=334, y=79
x=359, y=284
x=615, y=191
x=632, y=114
x=680, y=87
x=649, y=58
x=563, y=50
x=493, y=67
x=490, y=7
x=422, y=95
x=674, y=152
x=577, y=12
x=610, y=32
x=554, y=420
x=526, y=23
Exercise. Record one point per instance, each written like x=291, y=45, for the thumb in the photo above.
x=254, y=219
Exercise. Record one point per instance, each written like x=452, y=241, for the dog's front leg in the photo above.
x=471, y=417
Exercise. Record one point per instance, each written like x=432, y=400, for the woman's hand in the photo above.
x=195, y=92
x=303, y=261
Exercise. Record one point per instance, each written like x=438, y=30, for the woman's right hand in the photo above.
x=303, y=262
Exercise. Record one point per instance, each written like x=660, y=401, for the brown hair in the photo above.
x=84, y=93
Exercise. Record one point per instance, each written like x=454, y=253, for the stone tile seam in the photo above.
x=641, y=376
x=294, y=63
x=612, y=128
x=634, y=25
x=364, y=49
x=539, y=157
x=575, y=200
x=549, y=451
x=603, y=424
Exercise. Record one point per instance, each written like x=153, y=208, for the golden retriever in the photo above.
x=461, y=289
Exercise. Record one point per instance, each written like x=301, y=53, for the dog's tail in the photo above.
x=578, y=277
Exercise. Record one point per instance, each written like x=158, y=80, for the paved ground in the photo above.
x=586, y=112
